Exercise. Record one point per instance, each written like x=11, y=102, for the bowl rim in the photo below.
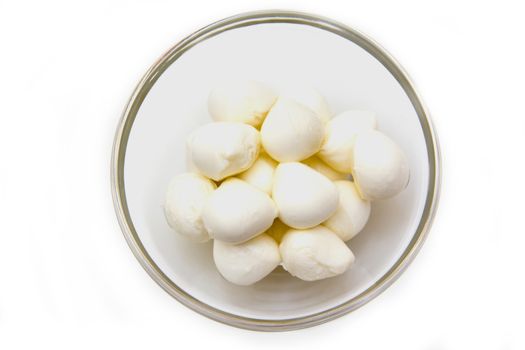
x=242, y=20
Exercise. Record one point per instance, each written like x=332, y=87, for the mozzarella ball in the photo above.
x=314, y=254
x=222, y=149
x=341, y=132
x=241, y=101
x=291, y=132
x=261, y=173
x=380, y=166
x=304, y=197
x=323, y=168
x=351, y=214
x=278, y=230
x=237, y=211
x=248, y=262
x=309, y=98
x=186, y=196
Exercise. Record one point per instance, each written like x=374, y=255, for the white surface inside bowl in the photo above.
x=275, y=53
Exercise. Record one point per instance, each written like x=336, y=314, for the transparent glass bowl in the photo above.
x=276, y=47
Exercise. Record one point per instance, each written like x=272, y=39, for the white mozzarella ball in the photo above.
x=237, y=211
x=291, y=132
x=380, y=167
x=315, y=254
x=304, y=197
x=260, y=173
x=248, y=262
x=323, y=168
x=309, y=97
x=241, y=101
x=341, y=132
x=351, y=214
x=222, y=149
x=186, y=196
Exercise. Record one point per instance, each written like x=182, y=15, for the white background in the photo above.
x=67, y=278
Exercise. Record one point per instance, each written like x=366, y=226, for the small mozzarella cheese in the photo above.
x=241, y=101
x=237, y=211
x=341, y=132
x=278, y=230
x=380, y=167
x=291, y=132
x=304, y=197
x=323, y=168
x=351, y=214
x=248, y=262
x=310, y=98
x=261, y=173
x=222, y=149
x=315, y=254
x=187, y=193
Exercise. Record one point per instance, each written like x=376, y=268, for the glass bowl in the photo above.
x=275, y=47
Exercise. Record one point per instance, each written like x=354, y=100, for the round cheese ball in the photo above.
x=187, y=193
x=304, y=197
x=291, y=132
x=351, y=214
x=248, y=262
x=310, y=98
x=241, y=101
x=260, y=173
x=380, y=167
x=237, y=211
x=341, y=132
x=323, y=168
x=314, y=254
x=221, y=149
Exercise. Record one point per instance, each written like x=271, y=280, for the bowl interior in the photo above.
x=278, y=54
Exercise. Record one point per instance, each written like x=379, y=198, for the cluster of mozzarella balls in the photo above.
x=275, y=180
